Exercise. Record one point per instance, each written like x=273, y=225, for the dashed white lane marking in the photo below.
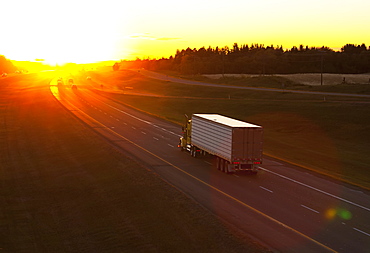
x=313, y=210
x=137, y=118
x=172, y=146
x=266, y=189
x=145, y=121
x=358, y=230
x=143, y=132
x=155, y=138
x=313, y=188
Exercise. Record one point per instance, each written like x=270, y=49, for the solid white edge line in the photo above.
x=313, y=188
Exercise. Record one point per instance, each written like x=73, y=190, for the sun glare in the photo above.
x=85, y=31
x=61, y=32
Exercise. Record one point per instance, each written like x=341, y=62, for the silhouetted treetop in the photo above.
x=6, y=66
x=259, y=59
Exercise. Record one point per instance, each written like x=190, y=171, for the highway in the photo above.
x=284, y=207
x=163, y=77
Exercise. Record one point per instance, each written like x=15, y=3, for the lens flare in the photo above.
x=330, y=213
x=338, y=212
x=344, y=214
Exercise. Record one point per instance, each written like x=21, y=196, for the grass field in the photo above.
x=327, y=134
x=354, y=84
x=309, y=79
x=64, y=189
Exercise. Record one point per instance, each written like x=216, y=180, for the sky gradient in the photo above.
x=85, y=31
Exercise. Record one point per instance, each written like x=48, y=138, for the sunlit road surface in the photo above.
x=163, y=77
x=286, y=208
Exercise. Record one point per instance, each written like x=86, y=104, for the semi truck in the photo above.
x=237, y=145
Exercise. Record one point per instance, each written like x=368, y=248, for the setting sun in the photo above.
x=61, y=32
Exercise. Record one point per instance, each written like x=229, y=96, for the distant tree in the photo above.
x=6, y=66
x=353, y=49
x=116, y=66
x=258, y=59
x=235, y=48
x=294, y=49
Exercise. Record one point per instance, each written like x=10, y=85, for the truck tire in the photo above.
x=227, y=168
x=194, y=152
x=223, y=165
x=218, y=163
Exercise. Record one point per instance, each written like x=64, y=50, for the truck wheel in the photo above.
x=222, y=165
x=227, y=167
x=194, y=152
x=218, y=163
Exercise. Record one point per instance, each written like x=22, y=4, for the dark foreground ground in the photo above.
x=63, y=189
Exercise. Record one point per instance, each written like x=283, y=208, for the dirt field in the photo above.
x=63, y=189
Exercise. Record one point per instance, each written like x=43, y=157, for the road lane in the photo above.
x=286, y=206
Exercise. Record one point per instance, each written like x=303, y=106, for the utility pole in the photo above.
x=322, y=52
x=223, y=63
x=322, y=67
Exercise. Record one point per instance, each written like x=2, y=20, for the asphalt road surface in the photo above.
x=287, y=208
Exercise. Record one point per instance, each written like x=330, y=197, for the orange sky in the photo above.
x=87, y=31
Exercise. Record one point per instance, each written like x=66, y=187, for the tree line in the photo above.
x=6, y=66
x=258, y=59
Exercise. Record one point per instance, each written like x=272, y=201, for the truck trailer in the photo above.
x=237, y=145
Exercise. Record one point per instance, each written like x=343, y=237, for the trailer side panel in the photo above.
x=212, y=137
x=227, y=138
